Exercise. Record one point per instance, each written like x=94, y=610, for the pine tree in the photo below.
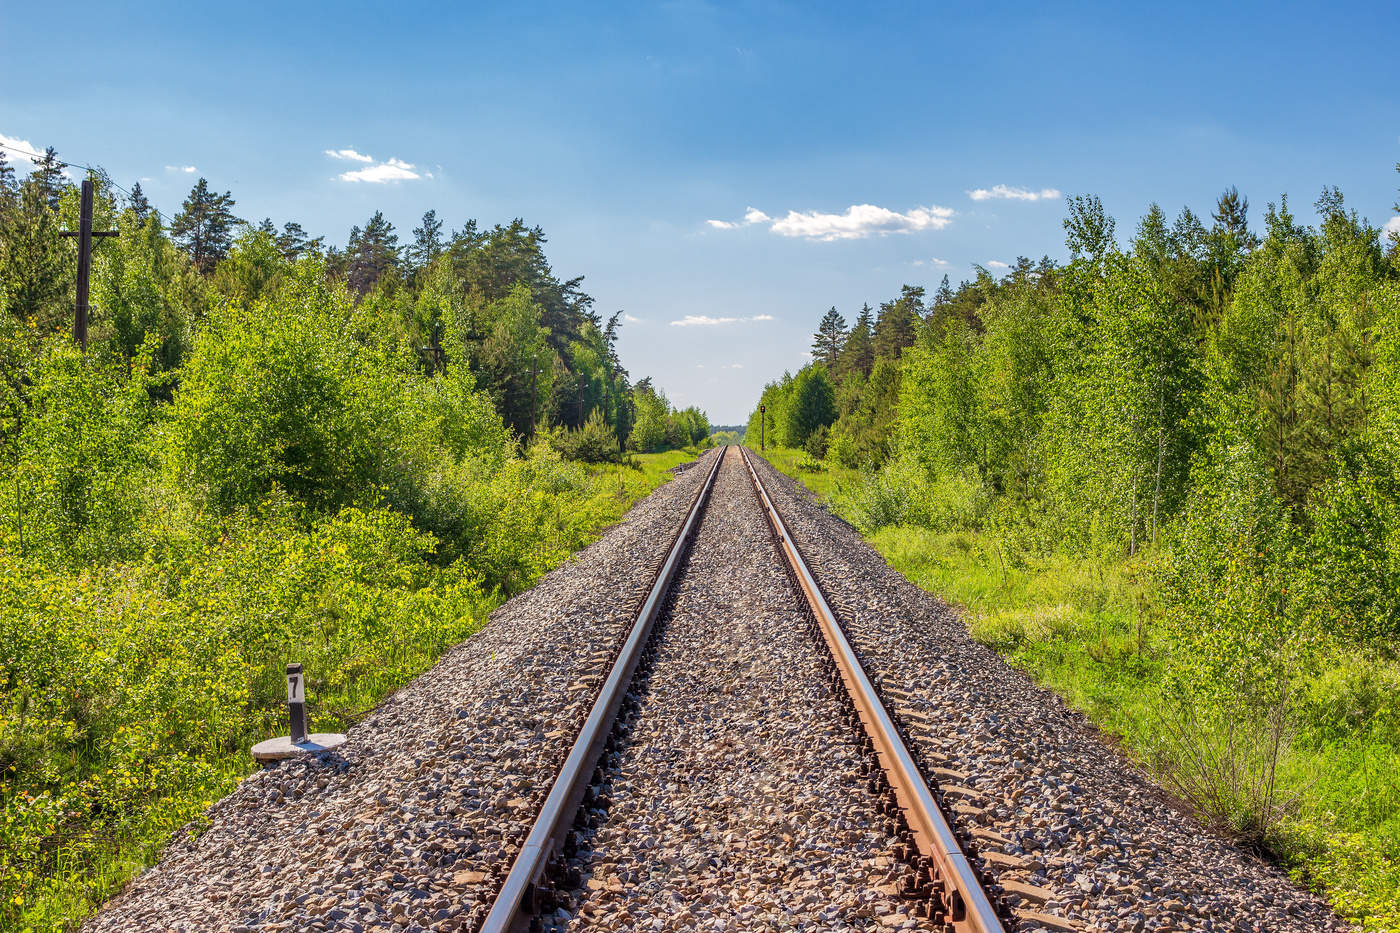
x=895, y=326
x=370, y=253
x=294, y=243
x=49, y=174
x=267, y=226
x=858, y=355
x=944, y=296
x=1231, y=212
x=427, y=241
x=9, y=187
x=204, y=226
x=139, y=204
x=829, y=338
x=35, y=274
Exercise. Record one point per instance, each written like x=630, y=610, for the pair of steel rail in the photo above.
x=965, y=905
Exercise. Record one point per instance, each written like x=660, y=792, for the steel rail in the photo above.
x=510, y=911
x=967, y=905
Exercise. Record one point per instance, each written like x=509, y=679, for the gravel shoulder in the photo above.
x=1083, y=827
x=412, y=823
x=736, y=801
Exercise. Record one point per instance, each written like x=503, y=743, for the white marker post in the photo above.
x=298, y=742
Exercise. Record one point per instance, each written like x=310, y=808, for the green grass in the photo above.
x=820, y=477
x=1086, y=629
x=143, y=684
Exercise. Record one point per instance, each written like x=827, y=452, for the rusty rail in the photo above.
x=965, y=903
x=510, y=911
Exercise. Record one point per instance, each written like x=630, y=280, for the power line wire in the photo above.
x=35, y=156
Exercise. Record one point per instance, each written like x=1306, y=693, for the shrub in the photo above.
x=595, y=442
x=842, y=448
x=277, y=394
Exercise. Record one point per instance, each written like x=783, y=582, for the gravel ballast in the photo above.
x=1084, y=827
x=413, y=822
x=737, y=801
x=733, y=800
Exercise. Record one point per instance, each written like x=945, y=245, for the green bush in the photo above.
x=595, y=442
x=135, y=690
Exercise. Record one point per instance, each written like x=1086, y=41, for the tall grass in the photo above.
x=1309, y=779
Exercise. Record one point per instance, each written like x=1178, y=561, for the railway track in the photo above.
x=739, y=786
x=933, y=878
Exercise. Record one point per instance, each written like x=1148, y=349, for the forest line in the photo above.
x=270, y=451
x=1210, y=417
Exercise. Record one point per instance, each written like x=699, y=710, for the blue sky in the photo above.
x=857, y=135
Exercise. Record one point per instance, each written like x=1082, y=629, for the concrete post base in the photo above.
x=283, y=747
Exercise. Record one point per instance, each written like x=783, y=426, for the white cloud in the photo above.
x=375, y=172
x=17, y=160
x=933, y=261
x=1392, y=225
x=751, y=216
x=630, y=319
x=383, y=172
x=860, y=221
x=1008, y=193
x=996, y=264
x=182, y=169
x=14, y=142
x=704, y=320
x=732, y=366
x=349, y=154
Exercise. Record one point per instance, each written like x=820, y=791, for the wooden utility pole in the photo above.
x=84, y=233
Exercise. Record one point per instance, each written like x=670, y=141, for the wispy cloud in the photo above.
x=751, y=216
x=857, y=222
x=704, y=320
x=1009, y=193
x=630, y=319
x=732, y=366
x=860, y=221
x=1392, y=225
x=349, y=155
x=933, y=261
x=181, y=169
x=996, y=264
x=14, y=142
x=374, y=171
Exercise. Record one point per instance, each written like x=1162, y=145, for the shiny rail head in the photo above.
x=512, y=908
x=967, y=905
